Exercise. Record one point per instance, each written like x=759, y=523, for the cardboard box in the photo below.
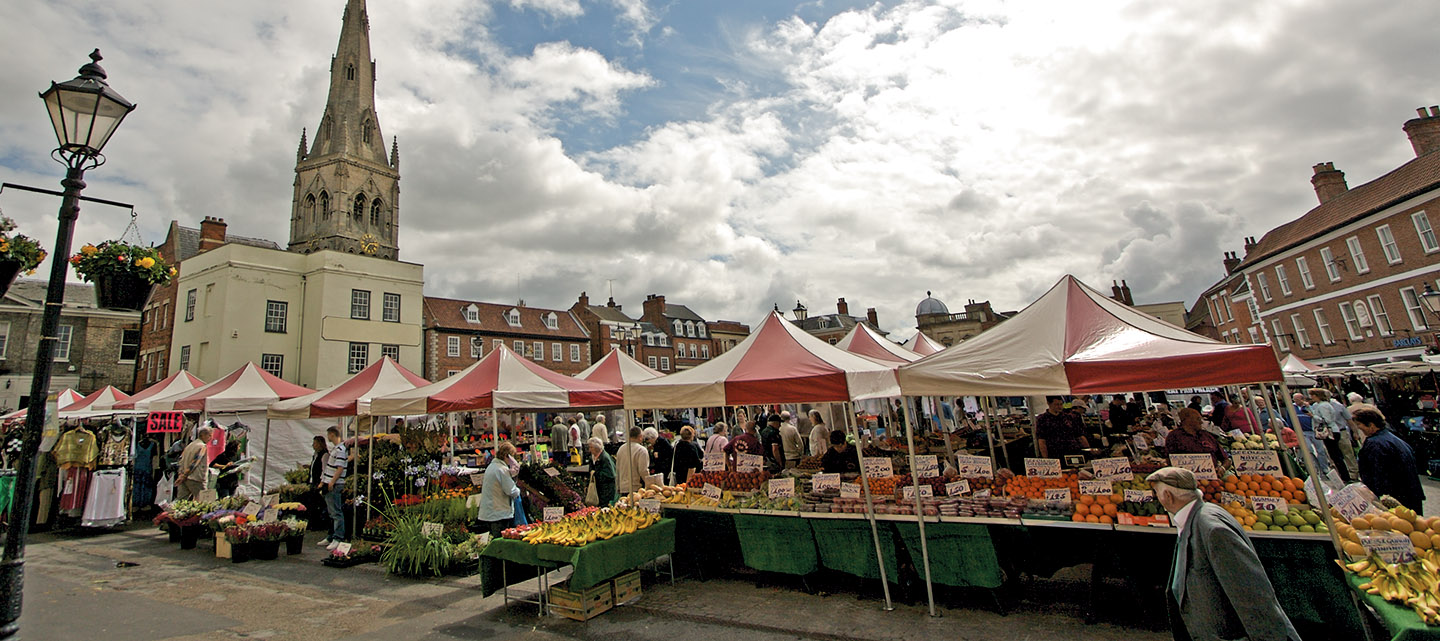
x=582, y=606
x=627, y=588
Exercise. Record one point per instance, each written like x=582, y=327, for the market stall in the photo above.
x=172, y=385
x=98, y=403
x=923, y=345
x=66, y=398
x=867, y=342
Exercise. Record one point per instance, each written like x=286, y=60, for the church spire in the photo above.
x=300, y=153
x=395, y=154
x=350, y=125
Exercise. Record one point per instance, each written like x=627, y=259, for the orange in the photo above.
x=1230, y=486
x=1092, y=519
x=1086, y=499
x=1299, y=496
x=1078, y=517
x=1082, y=509
x=1106, y=519
x=1117, y=498
x=1265, y=486
x=1111, y=509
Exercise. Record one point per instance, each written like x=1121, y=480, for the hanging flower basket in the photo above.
x=123, y=273
x=121, y=291
x=18, y=254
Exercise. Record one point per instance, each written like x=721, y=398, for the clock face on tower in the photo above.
x=369, y=244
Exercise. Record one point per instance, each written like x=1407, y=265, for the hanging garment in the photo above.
x=114, y=447
x=145, y=452
x=105, y=500
x=165, y=489
x=77, y=448
x=74, y=487
x=215, y=446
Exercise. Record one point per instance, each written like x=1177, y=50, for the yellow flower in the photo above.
x=172, y=271
x=88, y=250
x=146, y=262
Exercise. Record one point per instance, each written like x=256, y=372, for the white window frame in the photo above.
x=704, y=350
x=537, y=351
x=472, y=314
x=1279, y=335
x=1332, y=270
x=451, y=372
x=679, y=328
x=477, y=347
x=1282, y=279
x=360, y=304
x=575, y=352
x=1323, y=326
x=1357, y=255
x=512, y=317
x=557, y=352
x=1414, y=309
x=1387, y=244
x=700, y=329
x=652, y=362
x=390, y=313
x=1254, y=335
x=519, y=347
x=185, y=357
x=1302, y=265
x=1301, y=336
x=664, y=363
x=496, y=344
x=64, y=335
x=358, y=357
x=1426, y=233
x=694, y=352
x=650, y=341
x=452, y=346
x=1254, y=309
x=1352, y=321
x=391, y=351
x=139, y=336
x=4, y=338
x=274, y=364
x=552, y=321
x=277, y=313
x=1264, y=284
x=190, y=297
x=1379, y=315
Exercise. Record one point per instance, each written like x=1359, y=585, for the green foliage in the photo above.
x=411, y=552
x=445, y=511
x=118, y=258
x=299, y=476
x=19, y=248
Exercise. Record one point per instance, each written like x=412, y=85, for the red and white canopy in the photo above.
x=351, y=397
x=97, y=403
x=778, y=363
x=248, y=389
x=501, y=380
x=66, y=398
x=617, y=369
x=1074, y=340
x=923, y=345
x=181, y=381
x=867, y=342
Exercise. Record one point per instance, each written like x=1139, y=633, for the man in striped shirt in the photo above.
x=332, y=487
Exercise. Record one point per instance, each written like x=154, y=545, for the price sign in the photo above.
x=974, y=466
x=552, y=472
x=1097, y=488
x=1258, y=503
x=1042, y=468
x=710, y=491
x=269, y=515
x=432, y=529
x=926, y=467
x=715, y=462
x=477, y=479
x=748, y=463
x=1391, y=547
x=822, y=482
x=650, y=505
x=164, y=422
x=208, y=496
x=780, y=488
x=1112, y=469
x=343, y=548
x=1139, y=496
x=1228, y=497
x=251, y=509
x=1139, y=442
x=982, y=494
x=849, y=491
x=908, y=492
x=553, y=514
x=1201, y=464
x=1061, y=495
x=957, y=488
x=877, y=467
x=270, y=499
x=1257, y=461
x=1350, y=502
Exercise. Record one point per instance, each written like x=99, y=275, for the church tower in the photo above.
x=347, y=189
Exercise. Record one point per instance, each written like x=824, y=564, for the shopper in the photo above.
x=746, y=443
x=332, y=484
x=600, y=430
x=193, y=471
x=1344, y=441
x=1218, y=408
x=1387, y=464
x=560, y=442
x=719, y=438
x=1195, y=404
x=1239, y=417
x=1326, y=423
x=581, y=424
x=839, y=458
x=632, y=464
x=1118, y=413
x=498, y=492
x=1218, y=588
x=772, y=444
x=602, y=474
x=662, y=453
x=1060, y=433
x=688, y=456
x=224, y=463
x=819, y=434
x=1307, y=427
x=790, y=441
x=317, y=460
x=1191, y=439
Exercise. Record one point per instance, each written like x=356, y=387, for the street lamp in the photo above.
x=1431, y=299
x=85, y=112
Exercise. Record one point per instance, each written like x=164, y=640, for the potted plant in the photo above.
x=18, y=253
x=294, y=536
x=237, y=543
x=123, y=273
x=265, y=540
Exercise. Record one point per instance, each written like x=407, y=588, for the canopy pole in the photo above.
x=945, y=433
x=907, y=417
x=370, y=471
x=264, y=457
x=1322, y=503
x=869, y=505
x=987, y=405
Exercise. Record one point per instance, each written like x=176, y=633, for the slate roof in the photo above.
x=188, y=241
x=33, y=289
x=448, y=313
x=681, y=312
x=608, y=313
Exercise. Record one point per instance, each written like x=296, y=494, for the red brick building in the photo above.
x=460, y=332
x=609, y=327
x=688, y=333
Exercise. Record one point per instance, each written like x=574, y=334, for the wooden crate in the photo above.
x=627, y=588
x=582, y=606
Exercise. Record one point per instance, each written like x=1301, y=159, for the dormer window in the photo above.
x=700, y=329
x=513, y=317
x=472, y=314
x=649, y=340
x=552, y=321
x=679, y=328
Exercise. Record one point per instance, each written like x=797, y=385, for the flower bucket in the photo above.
x=174, y=532
x=239, y=552
x=294, y=544
x=9, y=271
x=120, y=291
x=265, y=550
x=189, y=536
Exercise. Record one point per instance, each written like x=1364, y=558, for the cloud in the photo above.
x=555, y=8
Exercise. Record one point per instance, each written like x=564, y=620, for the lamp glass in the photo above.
x=84, y=115
x=1431, y=299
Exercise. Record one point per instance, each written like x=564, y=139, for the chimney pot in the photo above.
x=842, y=307
x=1424, y=130
x=1435, y=111
x=212, y=233
x=1328, y=182
x=873, y=317
x=1421, y=112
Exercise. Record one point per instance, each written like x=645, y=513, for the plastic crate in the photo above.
x=626, y=588
x=584, y=605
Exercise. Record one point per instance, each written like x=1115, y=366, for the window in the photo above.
x=1377, y=312
x=1413, y=308
x=185, y=357
x=390, y=307
x=1352, y=322
x=129, y=345
x=496, y=344
x=690, y=329
x=165, y=316
x=451, y=372
x=552, y=321
x=375, y=208
x=649, y=340
x=652, y=362
x=273, y=364
x=557, y=352
x=1387, y=244
x=452, y=346
x=155, y=318
x=664, y=363
x=310, y=208
x=681, y=347
x=4, y=337
x=63, y=334
x=472, y=314
x=1254, y=335
x=1282, y=279
x=1357, y=254
x=1264, y=284
x=1324, y=326
x=391, y=352
x=513, y=317
x=349, y=72
x=704, y=350
x=663, y=339
x=679, y=328
x=358, y=209
x=1215, y=314
x=190, y=305
x=1254, y=310
x=519, y=347
x=700, y=329
x=1303, y=266
x=1301, y=336
x=538, y=353
x=275, y=313
x=477, y=347
x=1279, y=335
x=359, y=356
x=574, y=353
x=1327, y=258
x=359, y=304
x=694, y=353
x=1426, y=233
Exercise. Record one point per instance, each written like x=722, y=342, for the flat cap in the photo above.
x=1177, y=477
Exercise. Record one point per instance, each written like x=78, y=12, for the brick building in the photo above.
x=1229, y=308
x=833, y=327
x=609, y=327
x=459, y=332
x=688, y=333
x=727, y=334
x=97, y=347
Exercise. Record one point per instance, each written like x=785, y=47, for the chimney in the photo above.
x=1125, y=293
x=1115, y=293
x=842, y=307
x=873, y=318
x=1231, y=263
x=212, y=233
x=1250, y=245
x=1329, y=182
x=800, y=312
x=1424, y=131
x=654, y=307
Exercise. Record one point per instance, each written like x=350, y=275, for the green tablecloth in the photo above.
x=1400, y=621
x=600, y=561
x=1308, y=585
x=782, y=544
x=961, y=555
x=845, y=545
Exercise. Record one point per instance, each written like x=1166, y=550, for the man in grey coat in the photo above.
x=1218, y=589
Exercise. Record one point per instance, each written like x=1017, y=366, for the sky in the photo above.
x=738, y=155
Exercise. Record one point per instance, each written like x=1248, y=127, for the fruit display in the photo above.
x=576, y=529
x=993, y=506
x=1145, y=508
x=1254, y=442
x=1424, y=532
x=1290, y=489
x=759, y=501
x=1095, y=509
x=734, y=481
x=810, y=463
x=1296, y=519
x=1415, y=584
x=1034, y=488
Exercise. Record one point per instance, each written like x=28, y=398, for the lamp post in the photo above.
x=85, y=112
x=1431, y=299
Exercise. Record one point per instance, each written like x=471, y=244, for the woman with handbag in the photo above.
x=602, y=476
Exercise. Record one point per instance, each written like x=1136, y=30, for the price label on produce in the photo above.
x=477, y=479
x=1230, y=497
x=927, y=467
x=432, y=529
x=1042, y=468
x=748, y=463
x=1350, y=502
x=877, y=467
x=269, y=515
x=1391, y=547
x=553, y=514
x=1061, y=495
x=908, y=492
x=251, y=509
x=1256, y=461
x=270, y=499
x=1112, y=469
x=1201, y=464
x=1097, y=488
x=1139, y=442
x=711, y=491
x=982, y=494
x=822, y=482
x=780, y=488
x=650, y=505
x=715, y=462
x=849, y=491
x=1258, y=503
x=208, y=496
x=343, y=548
x=552, y=472
x=957, y=488
x=1139, y=496
x=974, y=467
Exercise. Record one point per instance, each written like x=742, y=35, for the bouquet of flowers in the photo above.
x=117, y=258
x=294, y=527
x=223, y=520
x=274, y=531
x=19, y=248
x=237, y=534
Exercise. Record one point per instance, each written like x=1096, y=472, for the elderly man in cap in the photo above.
x=1218, y=589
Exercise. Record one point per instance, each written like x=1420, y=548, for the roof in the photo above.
x=728, y=327
x=608, y=313
x=448, y=313
x=188, y=241
x=681, y=312
x=1418, y=175
x=832, y=322
x=33, y=289
x=501, y=380
x=931, y=305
